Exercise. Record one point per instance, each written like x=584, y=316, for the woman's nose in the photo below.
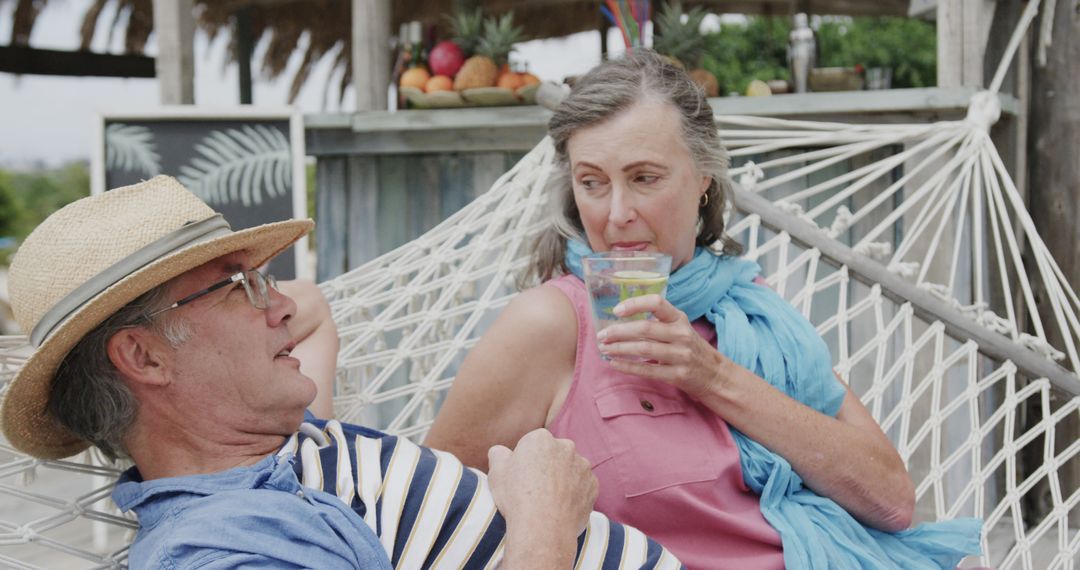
x=622, y=208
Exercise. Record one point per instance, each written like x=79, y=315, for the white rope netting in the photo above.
x=959, y=417
x=904, y=244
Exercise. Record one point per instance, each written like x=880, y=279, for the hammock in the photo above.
x=901, y=243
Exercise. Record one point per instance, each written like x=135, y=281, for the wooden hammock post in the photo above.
x=1055, y=177
x=174, y=25
x=371, y=53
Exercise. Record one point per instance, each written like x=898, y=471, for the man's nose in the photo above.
x=281, y=309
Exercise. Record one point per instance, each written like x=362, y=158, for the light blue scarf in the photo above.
x=763, y=333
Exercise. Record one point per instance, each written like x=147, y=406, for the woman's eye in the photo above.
x=647, y=178
x=590, y=183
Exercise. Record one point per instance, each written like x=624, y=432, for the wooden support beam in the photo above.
x=963, y=27
x=1054, y=134
x=244, y=46
x=23, y=60
x=174, y=25
x=371, y=53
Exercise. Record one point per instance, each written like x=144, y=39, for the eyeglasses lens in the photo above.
x=257, y=286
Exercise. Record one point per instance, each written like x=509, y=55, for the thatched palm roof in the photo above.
x=326, y=23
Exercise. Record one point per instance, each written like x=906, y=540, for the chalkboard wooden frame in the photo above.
x=270, y=128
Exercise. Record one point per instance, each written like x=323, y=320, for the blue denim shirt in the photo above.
x=249, y=517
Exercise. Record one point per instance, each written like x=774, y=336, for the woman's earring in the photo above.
x=704, y=200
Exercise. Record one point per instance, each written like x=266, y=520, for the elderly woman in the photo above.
x=717, y=427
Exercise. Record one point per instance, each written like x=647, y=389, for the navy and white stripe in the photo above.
x=429, y=511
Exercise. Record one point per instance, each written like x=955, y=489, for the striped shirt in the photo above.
x=429, y=511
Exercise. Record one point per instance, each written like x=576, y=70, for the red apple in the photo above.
x=445, y=58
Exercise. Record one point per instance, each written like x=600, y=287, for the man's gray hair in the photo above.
x=609, y=88
x=88, y=396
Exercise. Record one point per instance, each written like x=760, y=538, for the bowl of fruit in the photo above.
x=471, y=69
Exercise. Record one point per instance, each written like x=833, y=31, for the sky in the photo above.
x=48, y=121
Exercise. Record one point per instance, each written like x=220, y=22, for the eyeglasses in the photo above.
x=256, y=285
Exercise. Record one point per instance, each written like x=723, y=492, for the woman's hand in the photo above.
x=847, y=458
x=665, y=348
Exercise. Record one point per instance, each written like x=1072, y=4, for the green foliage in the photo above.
x=740, y=53
x=28, y=197
x=907, y=46
x=10, y=210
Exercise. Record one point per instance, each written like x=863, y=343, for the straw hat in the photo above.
x=91, y=258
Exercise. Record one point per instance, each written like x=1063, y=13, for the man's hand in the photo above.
x=545, y=491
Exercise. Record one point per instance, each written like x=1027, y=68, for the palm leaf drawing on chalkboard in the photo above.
x=131, y=148
x=239, y=165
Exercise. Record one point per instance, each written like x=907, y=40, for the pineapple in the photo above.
x=482, y=69
x=683, y=42
x=677, y=39
x=468, y=29
x=478, y=71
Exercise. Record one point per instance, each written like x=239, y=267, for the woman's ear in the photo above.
x=140, y=355
x=705, y=182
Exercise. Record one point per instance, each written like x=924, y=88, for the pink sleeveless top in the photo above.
x=666, y=464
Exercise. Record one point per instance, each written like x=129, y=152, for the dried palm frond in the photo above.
x=321, y=28
x=23, y=19
x=316, y=27
x=133, y=18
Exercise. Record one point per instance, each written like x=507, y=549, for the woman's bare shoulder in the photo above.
x=542, y=310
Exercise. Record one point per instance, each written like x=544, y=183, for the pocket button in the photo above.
x=647, y=406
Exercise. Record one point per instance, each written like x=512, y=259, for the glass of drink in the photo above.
x=615, y=276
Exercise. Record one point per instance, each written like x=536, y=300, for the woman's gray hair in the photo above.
x=606, y=90
x=88, y=395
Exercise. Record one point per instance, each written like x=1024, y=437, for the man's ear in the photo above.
x=140, y=355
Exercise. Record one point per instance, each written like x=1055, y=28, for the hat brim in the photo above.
x=27, y=423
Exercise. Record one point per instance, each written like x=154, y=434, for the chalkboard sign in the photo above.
x=247, y=164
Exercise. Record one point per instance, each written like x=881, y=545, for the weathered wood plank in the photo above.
x=331, y=205
x=174, y=26
x=363, y=188
x=391, y=204
x=487, y=168
x=455, y=182
x=481, y=139
x=370, y=52
x=422, y=195
x=434, y=119
x=1054, y=171
x=518, y=129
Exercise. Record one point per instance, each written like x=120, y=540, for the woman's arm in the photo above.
x=507, y=384
x=847, y=458
x=317, y=341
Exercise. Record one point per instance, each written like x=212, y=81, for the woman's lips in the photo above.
x=629, y=245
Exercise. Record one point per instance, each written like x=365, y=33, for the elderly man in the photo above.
x=156, y=339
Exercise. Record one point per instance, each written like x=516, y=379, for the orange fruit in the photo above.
x=415, y=77
x=509, y=80
x=529, y=79
x=439, y=83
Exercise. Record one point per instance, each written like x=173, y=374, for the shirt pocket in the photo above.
x=657, y=441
